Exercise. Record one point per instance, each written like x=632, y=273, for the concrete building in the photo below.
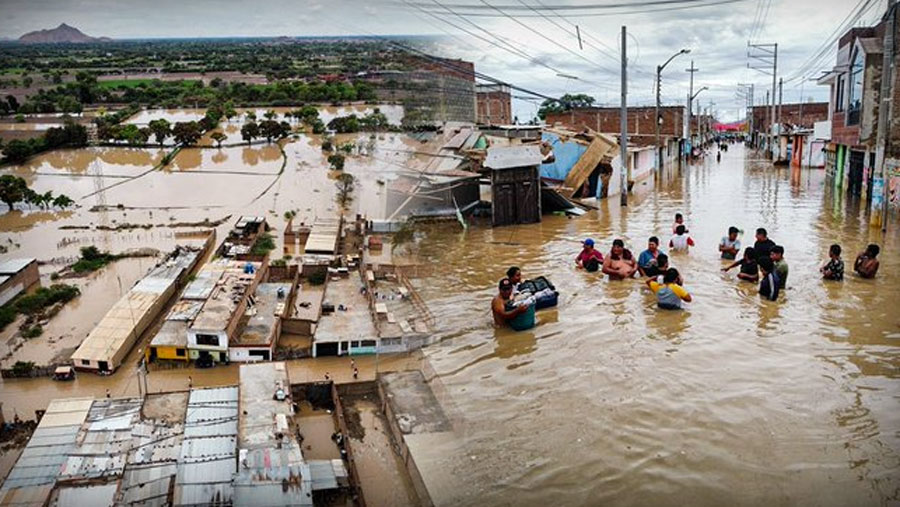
x=206, y=317
x=493, y=104
x=854, y=109
x=109, y=342
x=257, y=339
x=16, y=277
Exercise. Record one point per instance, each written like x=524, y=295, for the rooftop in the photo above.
x=131, y=314
x=323, y=236
x=508, y=157
x=228, y=293
x=259, y=408
x=269, y=307
x=13, y=266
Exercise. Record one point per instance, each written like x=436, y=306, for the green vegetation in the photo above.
x=14, y=189
x=345, y=187
x=125, y=83
x=70, y=135
x=264, y=244
x=376, y=120
x=279, y=263
x=32, y=331
x=336, y=161
x=23, y=368
x=565, y=103
x=92, y=259
x=35, y=304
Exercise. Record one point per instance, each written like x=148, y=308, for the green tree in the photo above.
x=218, y=137
x=160, y=128
x=565, y=103
x=345, y=186
x=63, y=201
x=270, y=129
x=336, y=161
x=187, y=133
x=69, y=104
x=27, y=81
x=12, y=189
x=249, y=131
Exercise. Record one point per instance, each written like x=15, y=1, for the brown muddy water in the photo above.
x=609, y=401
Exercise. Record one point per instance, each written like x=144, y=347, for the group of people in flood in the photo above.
x=763, y=263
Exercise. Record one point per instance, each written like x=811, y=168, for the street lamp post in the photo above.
x=659, y=69
x=691, y=108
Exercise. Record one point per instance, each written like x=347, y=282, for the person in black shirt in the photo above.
x=770, y=284
x=763, y=245
x=749, y=271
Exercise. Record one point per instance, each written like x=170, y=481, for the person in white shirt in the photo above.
x=681, y=242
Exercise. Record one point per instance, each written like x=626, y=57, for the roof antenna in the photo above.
x=578, y=33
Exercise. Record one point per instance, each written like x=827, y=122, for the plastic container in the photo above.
x=523, y=321
x=547, y=301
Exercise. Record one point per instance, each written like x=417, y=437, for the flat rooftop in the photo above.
x=224, y=299
x=173, y=333
x=323, y=236
x=269, y=307
x=13, y=266
x=308, y=302
x=259, y=408
x=354, y=323
x=411, y=397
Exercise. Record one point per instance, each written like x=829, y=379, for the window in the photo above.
x=179, y=352
x=354, y=343
x=368, y=343
x=345, y=346
x=391, y=342
x=208, y=339
x=85, y=362
x=263, y=354
x=856, y=89
x=839, y=94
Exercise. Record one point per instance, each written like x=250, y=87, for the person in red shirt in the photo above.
x=590, y=259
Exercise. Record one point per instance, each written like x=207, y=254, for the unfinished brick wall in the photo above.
x=606, y=119
x=494, y=108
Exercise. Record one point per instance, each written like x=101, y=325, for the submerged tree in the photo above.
x=345, y=187
x=12, y=190
x=249, y=131
x=160, y=128
x=218, y=137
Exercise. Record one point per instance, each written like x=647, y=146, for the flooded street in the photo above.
x=609, y=401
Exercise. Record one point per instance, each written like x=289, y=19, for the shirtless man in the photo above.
x=620, y=263
x=866, y=264
x=498, y=306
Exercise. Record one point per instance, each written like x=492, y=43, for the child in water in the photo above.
x=834, y=268
x=679, y=220
x=681, y=242
x=669, y=294
x=749, y=269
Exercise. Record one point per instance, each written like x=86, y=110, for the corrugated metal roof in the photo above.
x=13, y=266
x=323, y=236
x=508, y=157
x=208, y=451
x=328, y=474
x=147, y=485
x=98, y=495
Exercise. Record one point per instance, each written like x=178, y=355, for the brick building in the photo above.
x=799, y=115
x=606, y=120
x=854, y=109
x=494, y=104
x=16, y=277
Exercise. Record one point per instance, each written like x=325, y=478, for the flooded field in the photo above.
x=394, y=113
x=611, y=401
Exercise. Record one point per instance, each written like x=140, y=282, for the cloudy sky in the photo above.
x=518, y=41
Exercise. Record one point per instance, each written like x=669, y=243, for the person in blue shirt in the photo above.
x=647, y=261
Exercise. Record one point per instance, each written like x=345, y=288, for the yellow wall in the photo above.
x=168, y=352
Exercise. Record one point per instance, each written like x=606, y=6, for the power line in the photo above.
x=709, y=3
x=582, y=7
x=548, y=39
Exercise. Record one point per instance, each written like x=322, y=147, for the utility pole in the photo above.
x=623, y=121
x=879, y=215
x=764, y=54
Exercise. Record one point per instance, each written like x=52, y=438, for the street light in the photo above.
x=659, y=69
x=691, y=111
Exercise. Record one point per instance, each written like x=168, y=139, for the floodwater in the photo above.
x=394, y=113
x=610, y=401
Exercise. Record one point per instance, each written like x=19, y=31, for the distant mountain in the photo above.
x=62, y=33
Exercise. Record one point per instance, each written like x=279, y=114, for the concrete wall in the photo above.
x=790, y=114
x=242, y=354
